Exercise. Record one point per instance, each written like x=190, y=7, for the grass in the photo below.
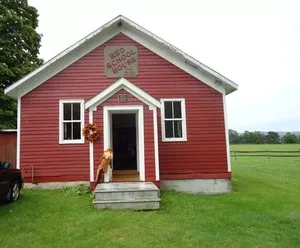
x=262, y=211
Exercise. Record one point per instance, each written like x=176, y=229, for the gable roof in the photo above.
x=122, y=83
x=121, y=24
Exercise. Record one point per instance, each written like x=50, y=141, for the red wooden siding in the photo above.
x=8, y=147
x=203, y=153
x=40, y=148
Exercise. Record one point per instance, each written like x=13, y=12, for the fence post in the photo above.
x=234, y=154
x=268, y=154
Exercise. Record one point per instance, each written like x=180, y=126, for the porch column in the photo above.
x=91, y=120
x=156, y=151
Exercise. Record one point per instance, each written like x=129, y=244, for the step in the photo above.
x=118, y=172
x=127, y=195
x=129, y=191
x=125, y=176
x=141, y=204
x=106, y=196
x=125, y=187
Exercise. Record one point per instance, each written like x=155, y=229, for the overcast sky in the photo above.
x=255, y=43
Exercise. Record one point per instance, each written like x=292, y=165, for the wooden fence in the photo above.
x=265, y=153
x=8, y=146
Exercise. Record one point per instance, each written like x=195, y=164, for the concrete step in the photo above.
x=142, y=204
x=127, y=195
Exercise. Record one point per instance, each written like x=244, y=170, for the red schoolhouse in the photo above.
x=161, y=111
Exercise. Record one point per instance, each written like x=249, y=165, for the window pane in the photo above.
x=76, y=130
x=67, y=111
x=177, y=109
x=67, y=131
x=168, y=109
x=76, y=111
x=169, y=129
x=178, y=129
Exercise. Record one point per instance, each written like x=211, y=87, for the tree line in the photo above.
x=262, y=138
x=19, y=50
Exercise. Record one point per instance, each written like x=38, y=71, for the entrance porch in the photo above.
x=130, y=128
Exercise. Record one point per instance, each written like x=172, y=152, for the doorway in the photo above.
x=124, y=141
x=130, y=118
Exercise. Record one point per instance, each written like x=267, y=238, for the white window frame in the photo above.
x=61, y=116
x=183, y=114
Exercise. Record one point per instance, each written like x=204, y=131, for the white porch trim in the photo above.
x=153, y=103
x=156, y=152
x=139, y=109
x=122, y=83
x=91, y=120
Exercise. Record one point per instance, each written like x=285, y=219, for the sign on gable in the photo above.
x=121, y=61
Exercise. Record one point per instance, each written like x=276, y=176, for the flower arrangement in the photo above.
x=91, y=132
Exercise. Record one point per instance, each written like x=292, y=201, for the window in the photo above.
x=71, y=121
x=173, y=120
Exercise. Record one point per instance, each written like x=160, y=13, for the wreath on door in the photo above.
x=91, y=132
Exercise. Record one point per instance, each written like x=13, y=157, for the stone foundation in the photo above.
x=198, y=186
x=54, y=185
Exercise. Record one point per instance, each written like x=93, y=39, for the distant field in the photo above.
x=263, y=147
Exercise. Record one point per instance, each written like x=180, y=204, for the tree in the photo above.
x=289, y=138
x=253, y=137
x=234, y=137
x=19, y=49
x=272, y=138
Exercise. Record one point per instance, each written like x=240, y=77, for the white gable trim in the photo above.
x=63, y=60
x=108, y=31
x=122, y=83
x=179, y=58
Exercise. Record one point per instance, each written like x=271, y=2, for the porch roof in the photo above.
x=122, y=83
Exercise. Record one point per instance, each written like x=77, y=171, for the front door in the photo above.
x=124, y=136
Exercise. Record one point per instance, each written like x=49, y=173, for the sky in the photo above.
x=254, y=43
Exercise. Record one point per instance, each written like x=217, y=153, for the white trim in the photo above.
x=181, y=60
x=8, y=130
x=139, y=109
x=19, y=134
x=156, y=152
x=226, y=134
x=141, y=140
x=122, y=83
x=91, y=149
x=61, y=102
x=183, y=112
x=106, y=32
x=63, y=59
x=137, y=140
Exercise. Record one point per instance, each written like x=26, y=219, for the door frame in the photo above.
x=107, y=132
x=111, y=113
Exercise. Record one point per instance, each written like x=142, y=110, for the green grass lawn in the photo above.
x=262, y=211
